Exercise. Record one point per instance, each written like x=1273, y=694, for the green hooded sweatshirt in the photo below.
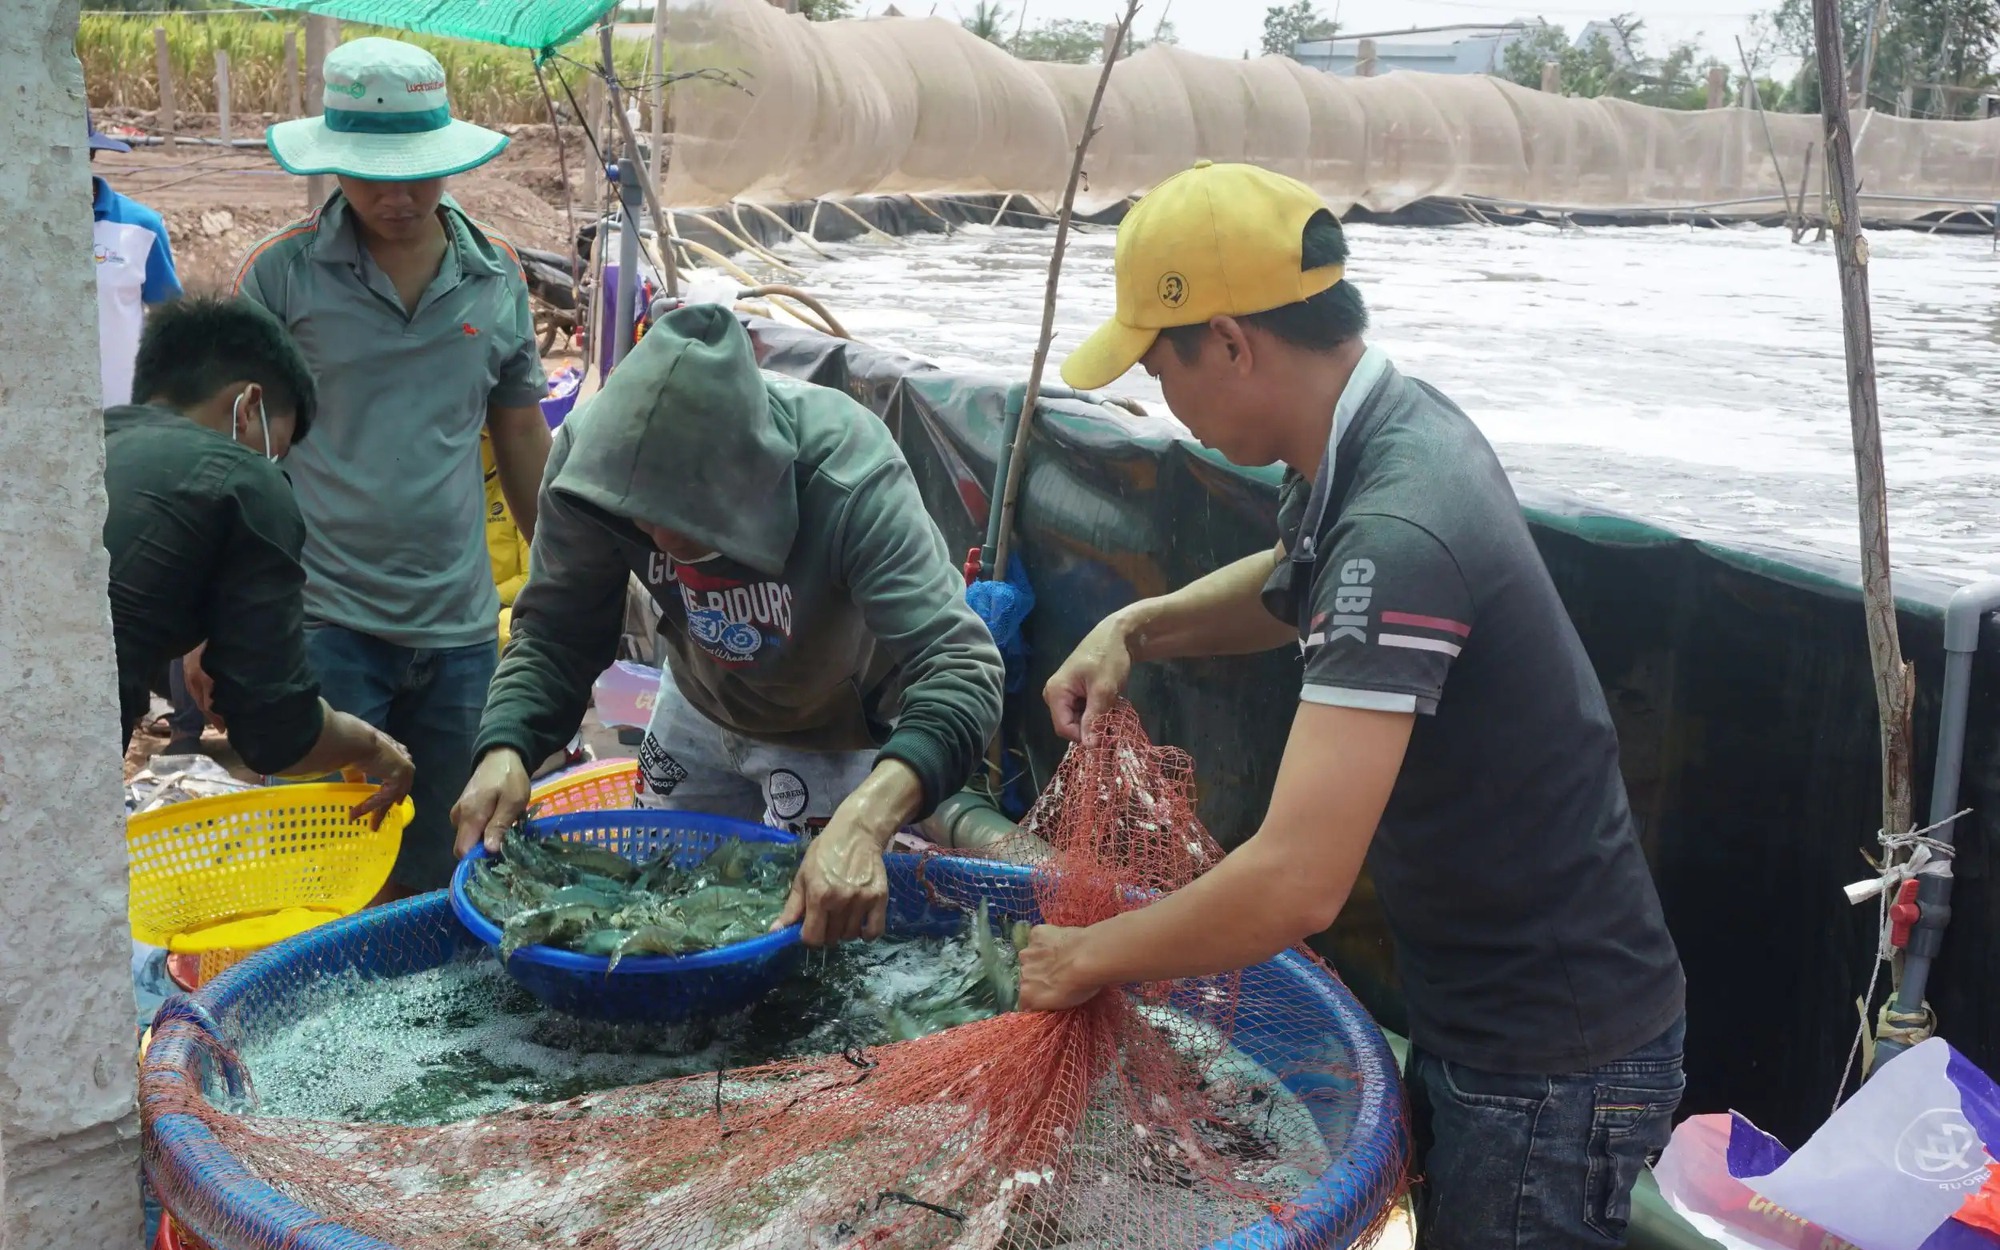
x=831, y=618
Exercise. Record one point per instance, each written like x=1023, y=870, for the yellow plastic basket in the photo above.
x=611, y=786
x=224, y=876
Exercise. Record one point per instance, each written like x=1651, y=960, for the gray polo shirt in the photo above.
x=390, y=481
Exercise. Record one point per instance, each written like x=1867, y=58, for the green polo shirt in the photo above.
x=390, y=481
x=204, y=539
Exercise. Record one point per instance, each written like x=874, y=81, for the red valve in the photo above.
x=1903, y=914
x=972, y=566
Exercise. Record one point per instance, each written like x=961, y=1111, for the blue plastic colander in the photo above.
x=663, y=988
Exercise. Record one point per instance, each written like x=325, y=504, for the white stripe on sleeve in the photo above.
x=1360, y=700
x=1413, y=643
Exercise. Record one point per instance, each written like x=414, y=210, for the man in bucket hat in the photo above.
x=1449, y=731
x=416, y=322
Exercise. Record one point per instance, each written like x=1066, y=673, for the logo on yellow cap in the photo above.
x=1173, y=290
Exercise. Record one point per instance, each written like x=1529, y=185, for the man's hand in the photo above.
x=842, y=888
x=391, y=768
x=492, y=800
x=1090, y=680
x=1052, y=976
x=200, y=686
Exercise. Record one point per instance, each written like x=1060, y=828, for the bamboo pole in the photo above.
x=222, y=95
x=322, y=37
x=1756, y=100
x=660, y=97
x=1017, y=455
x=1805, y=180
x=294, y=106
x=1894, y=678
x=165, y=119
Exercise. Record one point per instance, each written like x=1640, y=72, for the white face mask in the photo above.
x=236, y=418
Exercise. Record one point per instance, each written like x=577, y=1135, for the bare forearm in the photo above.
x=1250, y=907
x=1220, y=614
x=520, y=452
x=344, y=741
x=886, y=801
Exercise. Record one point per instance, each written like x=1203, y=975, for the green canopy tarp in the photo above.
x=537, y=25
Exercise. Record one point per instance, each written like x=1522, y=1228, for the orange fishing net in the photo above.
x=1124, y=1122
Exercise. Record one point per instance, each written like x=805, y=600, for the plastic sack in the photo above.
x=1004, y=607
x=1694, y=1178
x=625, y=694
x=1905, y=1164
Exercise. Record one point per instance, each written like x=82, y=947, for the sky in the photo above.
x=1229, y=27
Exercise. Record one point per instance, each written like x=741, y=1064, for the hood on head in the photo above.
x=683, y=436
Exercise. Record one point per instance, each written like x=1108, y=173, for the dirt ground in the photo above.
x=218, y=202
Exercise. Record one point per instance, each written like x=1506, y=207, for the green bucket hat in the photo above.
x=387, y=119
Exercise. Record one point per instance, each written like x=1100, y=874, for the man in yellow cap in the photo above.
x=1450, y=731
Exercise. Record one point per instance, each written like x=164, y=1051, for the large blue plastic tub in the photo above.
x=662, y=988
x=1291, y=1017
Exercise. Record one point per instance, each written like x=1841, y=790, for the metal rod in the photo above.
x=1865, y=196
x=670, y=272
x=1963, y=616
x=629, y=177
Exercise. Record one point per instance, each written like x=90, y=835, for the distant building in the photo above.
x=1621, y=47
x=1481, y=50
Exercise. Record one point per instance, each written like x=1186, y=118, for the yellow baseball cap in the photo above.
x=1212, y=241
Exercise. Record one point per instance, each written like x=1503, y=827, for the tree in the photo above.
x=826, y=10
x=1075, y=41
x=1522, y=59
x=1611, y=65
x=1072, y=41
x=1286, y=26
x=989, y=21
x=1922, y=44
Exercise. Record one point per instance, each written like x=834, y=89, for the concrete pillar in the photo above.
x=1552, y=77
x=1718, y=86
x=1364, y=59
x=68, y=1123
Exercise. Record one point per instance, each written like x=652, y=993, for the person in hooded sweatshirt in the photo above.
x=824, y=672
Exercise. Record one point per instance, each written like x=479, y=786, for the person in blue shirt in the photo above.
x=135, y=270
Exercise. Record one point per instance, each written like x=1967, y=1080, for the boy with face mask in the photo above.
x=204, y=538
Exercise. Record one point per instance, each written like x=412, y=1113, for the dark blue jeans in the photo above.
x=428, y=699
x=185, y=726
x=1537, y=1162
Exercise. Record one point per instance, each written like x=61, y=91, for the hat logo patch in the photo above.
x=1173, y=290
x=352, y=90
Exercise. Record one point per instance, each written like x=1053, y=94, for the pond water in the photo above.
x=1693, y=377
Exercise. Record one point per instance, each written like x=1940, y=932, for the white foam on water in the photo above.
x=1694, y=376
x=463, y=1040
